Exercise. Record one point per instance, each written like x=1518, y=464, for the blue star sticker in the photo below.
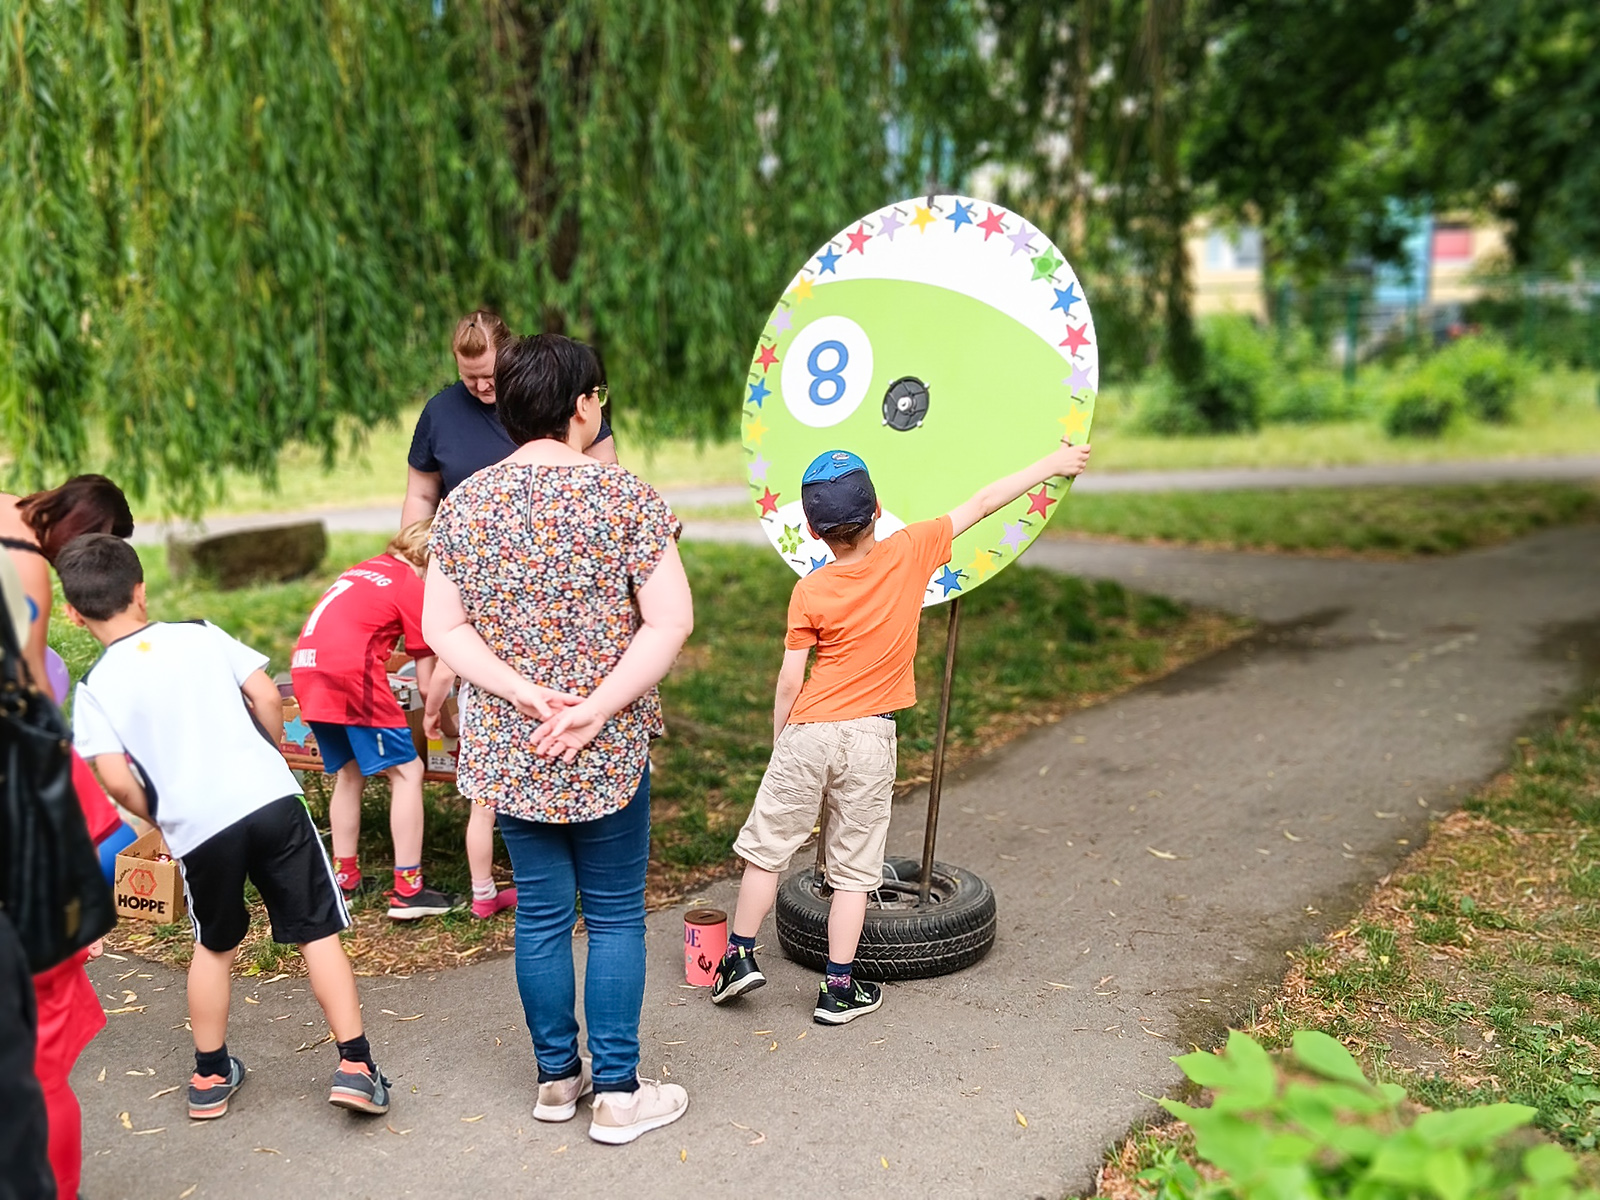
x=758, y=392
x=1065, y=298
x=827, y=258
x=949, y=580
x=818, y=563
x=961, y=216
x=296, y=732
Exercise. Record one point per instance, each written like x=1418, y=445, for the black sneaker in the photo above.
x=426, y=903
x=834, y=1009
x=212, y=1100
x=360, y=1092
x=737, y=974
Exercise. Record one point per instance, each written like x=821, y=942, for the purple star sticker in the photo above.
x=1014, y=537
x=781, y=321
x=1078, y=379
x=889, y=224
x=758, y=469
x=1020, y=239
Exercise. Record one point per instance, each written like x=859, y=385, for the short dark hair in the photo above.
x=83, y=504
x=537, y=382
x=845, y=537
x=98, y=575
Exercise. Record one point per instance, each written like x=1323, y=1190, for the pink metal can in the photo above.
x=705, y=937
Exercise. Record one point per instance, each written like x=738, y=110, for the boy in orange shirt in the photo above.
x=834, y=733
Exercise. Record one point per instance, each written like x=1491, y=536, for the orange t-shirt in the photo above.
x=862, y=617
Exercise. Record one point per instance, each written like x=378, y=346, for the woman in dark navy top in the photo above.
x=459, y=431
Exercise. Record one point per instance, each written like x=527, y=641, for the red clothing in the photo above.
x=340, y=663
x=69, y=1011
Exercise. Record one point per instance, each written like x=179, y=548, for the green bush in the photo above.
x=1311, y=1125
x=1240, y=369
x=1549, y=329
x=1485, y=371
x=1423, y=404
x=1310, y=397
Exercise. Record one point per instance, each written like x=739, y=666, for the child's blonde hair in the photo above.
x=411, y=543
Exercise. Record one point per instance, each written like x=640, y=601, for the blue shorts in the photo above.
x=374, y=750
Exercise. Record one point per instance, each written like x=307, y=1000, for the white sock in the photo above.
x=483, y=889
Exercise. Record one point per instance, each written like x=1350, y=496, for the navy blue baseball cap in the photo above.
x=836, y=491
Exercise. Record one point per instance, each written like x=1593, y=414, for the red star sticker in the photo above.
x=769, y=502
x=767, y=358
x=990, y=224
x=1076, y=339
x=859, y=239
x=1039, y=502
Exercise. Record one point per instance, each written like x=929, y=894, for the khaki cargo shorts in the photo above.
x=848, y=764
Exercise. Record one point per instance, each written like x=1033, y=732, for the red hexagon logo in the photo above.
x=142, y=881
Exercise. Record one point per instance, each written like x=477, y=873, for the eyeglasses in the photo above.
x=601, y=393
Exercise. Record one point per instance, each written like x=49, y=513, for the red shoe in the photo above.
x=502, y=900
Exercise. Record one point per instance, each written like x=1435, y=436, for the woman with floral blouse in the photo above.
x=556, y=590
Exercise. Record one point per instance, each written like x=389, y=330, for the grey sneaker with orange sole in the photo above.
x=620, y=1117
x=208, y=1097
x=358, y=1090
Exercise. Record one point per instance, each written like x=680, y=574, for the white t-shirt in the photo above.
x=168, y=697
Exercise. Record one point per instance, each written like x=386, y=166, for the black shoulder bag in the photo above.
x=50, y=881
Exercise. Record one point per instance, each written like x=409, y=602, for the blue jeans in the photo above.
x=604, y=862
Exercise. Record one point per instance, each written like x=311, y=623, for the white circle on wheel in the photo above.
x=827, y=371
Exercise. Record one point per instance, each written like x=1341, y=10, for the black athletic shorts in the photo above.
x=278, y=849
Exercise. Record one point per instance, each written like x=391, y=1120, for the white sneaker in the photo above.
x=558, y=1099
x=619, y=1117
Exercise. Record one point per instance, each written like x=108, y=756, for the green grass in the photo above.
x=1558, y=416
x=1383, y=521
x=1472, y=976
x=1034, y=646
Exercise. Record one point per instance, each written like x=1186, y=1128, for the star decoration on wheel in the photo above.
x=1021, y=239
x=923, y=219
x=961, y=216
x=888, y=226
x=1039, y=502
x=782, y=321
x=296, y=732
x=859, y=239
x=755, y=431
x=826, y=261
x=949, y=580
x=758, y=469
x=1078, y=379
x=1046, y=265
x=1065, y=298
x=767, y=358
x=802, y=290
x=789, y=540
x=992, y=224
x=1076, y=338
x=818, y=563
x=759, y=391
x=768, y=502
x=1075, y=423
x=982, y=564
x=1014, y=537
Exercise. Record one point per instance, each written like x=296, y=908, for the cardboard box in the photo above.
x=298, y=740
x=147, y=888
x=437, y=754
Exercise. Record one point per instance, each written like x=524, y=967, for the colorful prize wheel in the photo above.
x=948, y=343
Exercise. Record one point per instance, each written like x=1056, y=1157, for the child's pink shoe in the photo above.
x=504, y=899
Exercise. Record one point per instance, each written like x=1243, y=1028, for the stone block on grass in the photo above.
x=263, y=554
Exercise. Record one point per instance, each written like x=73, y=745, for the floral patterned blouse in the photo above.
x=548, y=561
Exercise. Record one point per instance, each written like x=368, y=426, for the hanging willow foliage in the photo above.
x=228, y=227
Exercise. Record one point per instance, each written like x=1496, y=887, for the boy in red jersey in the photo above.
x=340, y=670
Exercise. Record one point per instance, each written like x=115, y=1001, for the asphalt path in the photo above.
x=1154, y=860
x=385, y=518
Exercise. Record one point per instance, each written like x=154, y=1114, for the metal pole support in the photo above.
x=936, y=779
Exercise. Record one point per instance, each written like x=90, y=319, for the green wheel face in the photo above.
x=945, y=341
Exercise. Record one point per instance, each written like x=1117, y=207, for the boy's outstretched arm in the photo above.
x=117, y=778
x=791, y=676
x=265, y=702
x=1067, y=460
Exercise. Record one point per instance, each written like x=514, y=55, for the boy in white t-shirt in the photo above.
x=182, y=725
